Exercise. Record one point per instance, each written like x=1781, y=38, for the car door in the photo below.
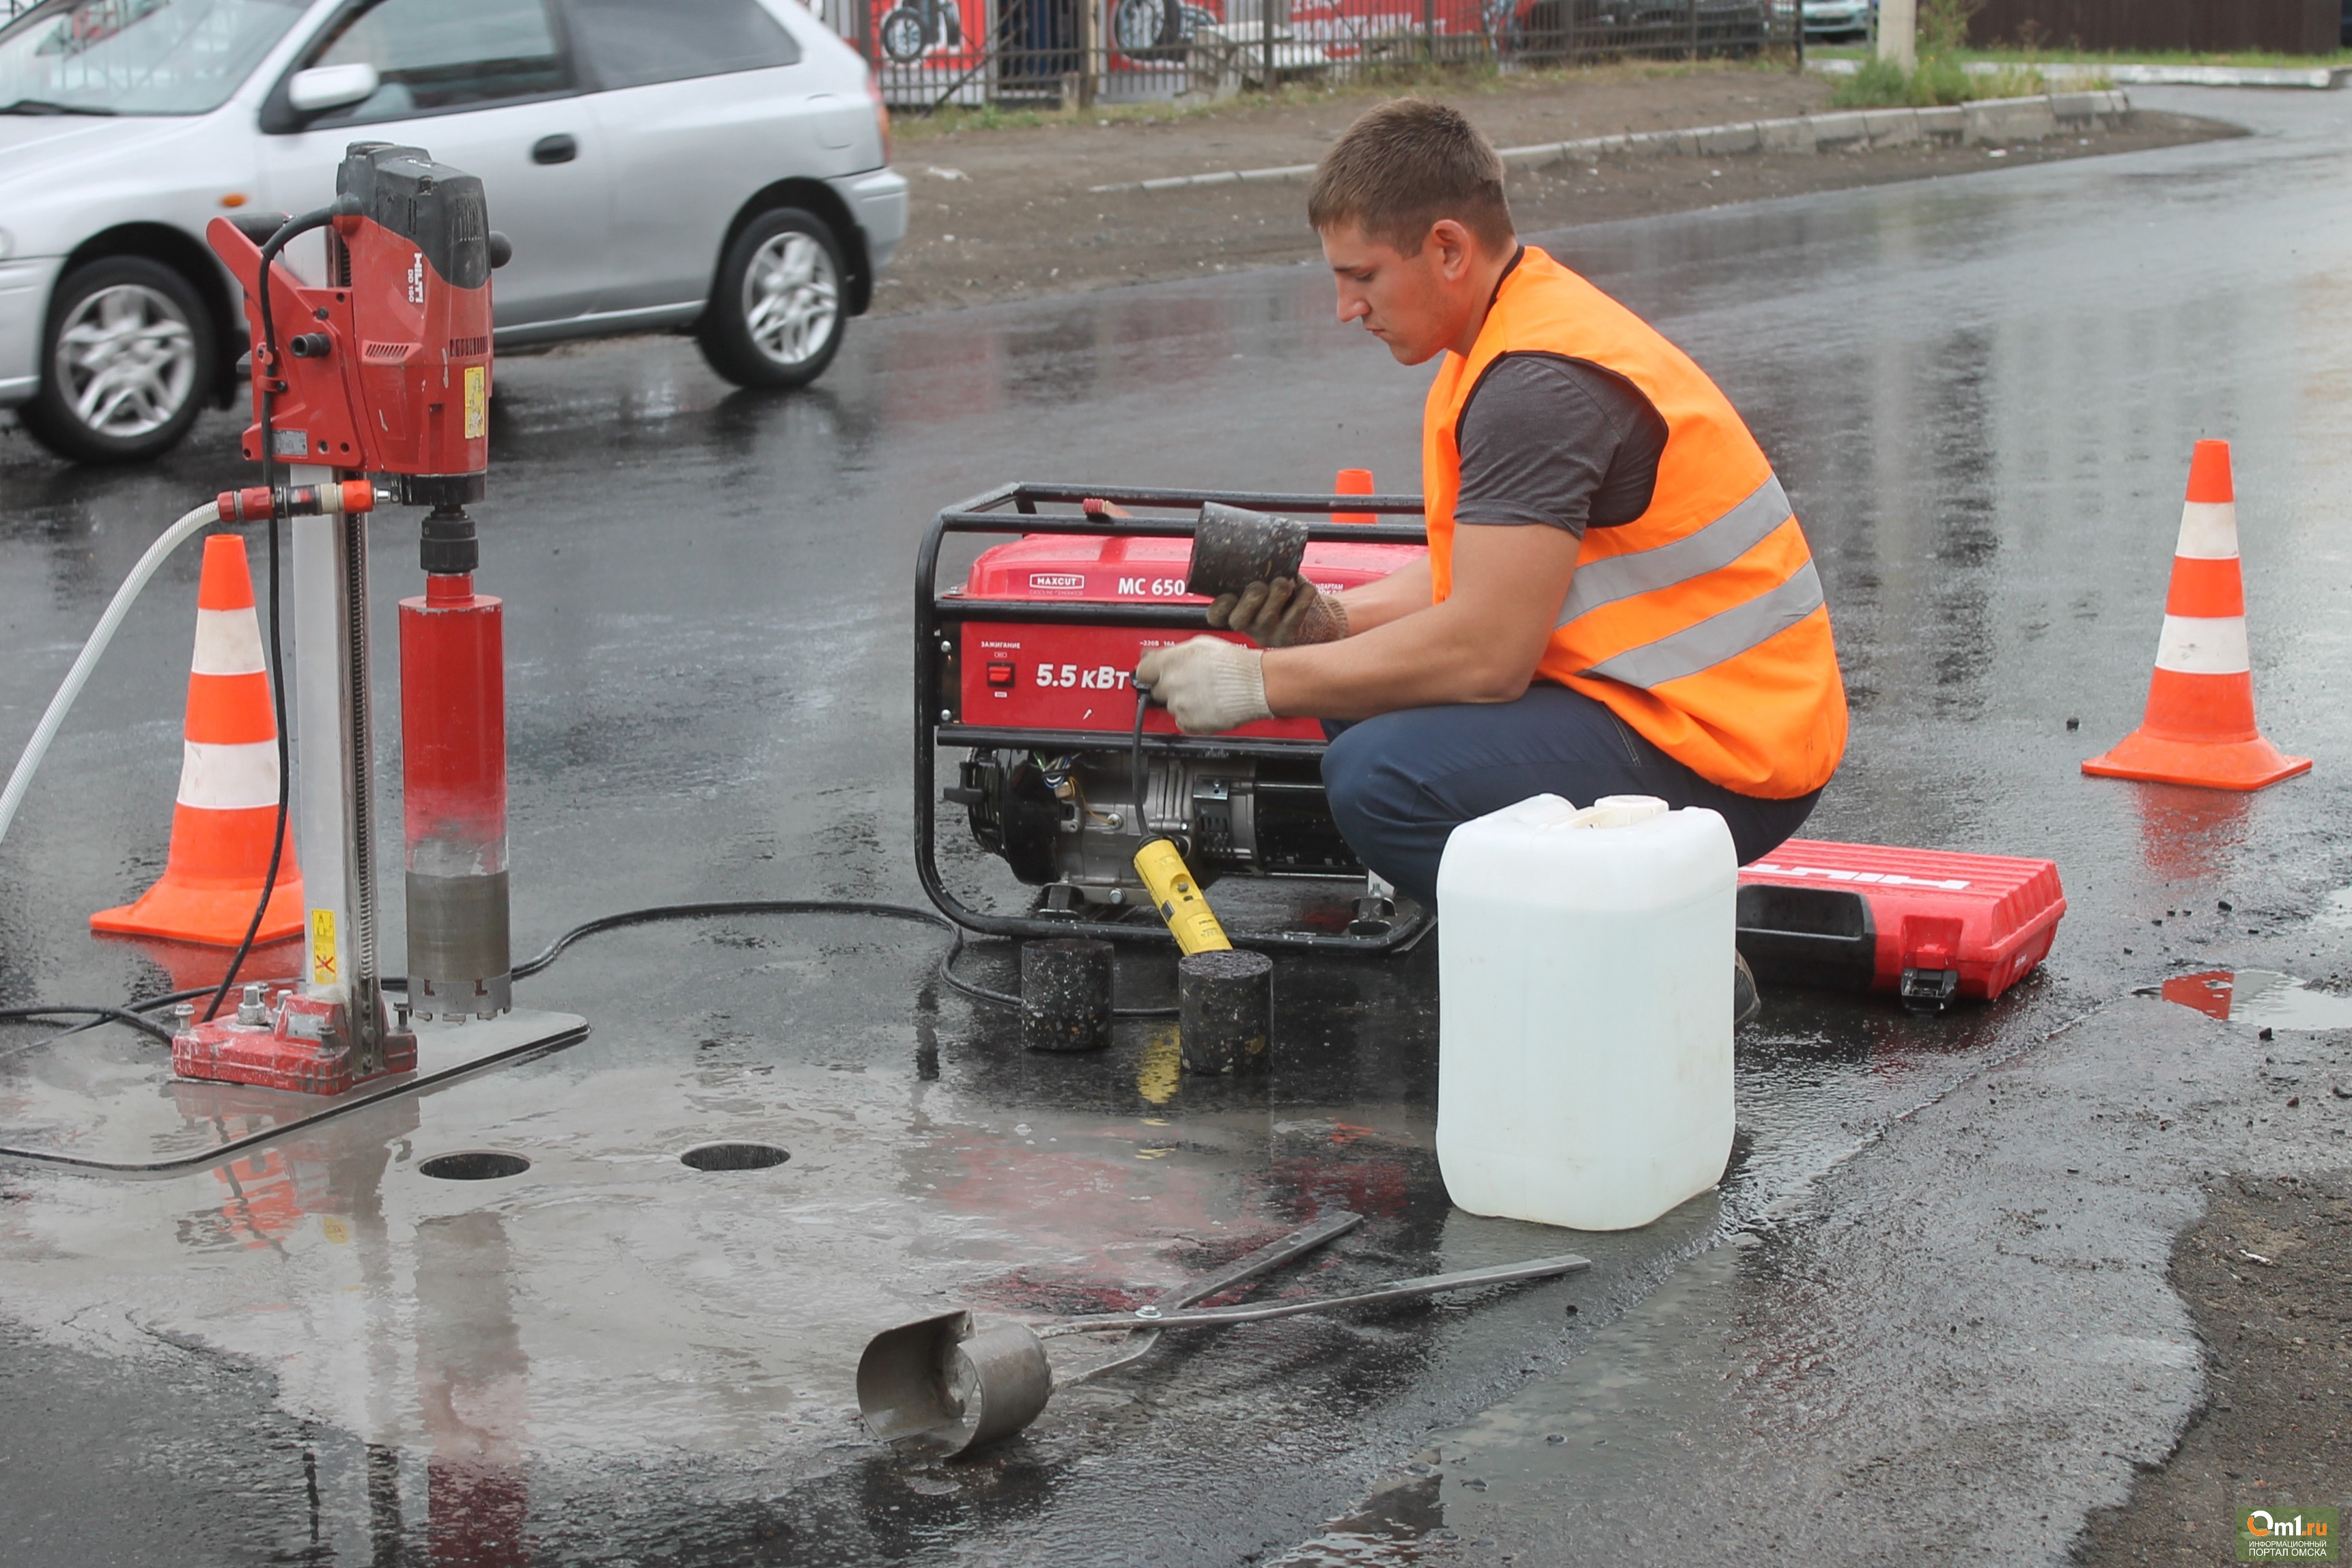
x=703, y=103
x=487, y=87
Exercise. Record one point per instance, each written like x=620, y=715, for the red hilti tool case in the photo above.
x=1927, y=924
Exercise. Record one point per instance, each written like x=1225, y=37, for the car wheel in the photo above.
x=775, y=315
x=1143, y=27
x=902, y=35
x=125, y=364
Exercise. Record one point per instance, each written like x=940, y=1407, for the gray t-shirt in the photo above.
x=1548, y=439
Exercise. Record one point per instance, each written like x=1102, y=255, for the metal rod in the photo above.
x=1265, y=1259
x=362, y=740
x=1396, y=1290
x=1062, y=525
x=1087, y=740
x=1074, y=612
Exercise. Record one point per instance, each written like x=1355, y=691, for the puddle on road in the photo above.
x=2259, y=996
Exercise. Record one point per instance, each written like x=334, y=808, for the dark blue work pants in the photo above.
x=1401, y=783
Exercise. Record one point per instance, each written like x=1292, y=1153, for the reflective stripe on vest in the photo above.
x=1726, y=634
x=1718, y=544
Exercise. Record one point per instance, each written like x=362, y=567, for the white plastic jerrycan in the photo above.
x=1584, y=1010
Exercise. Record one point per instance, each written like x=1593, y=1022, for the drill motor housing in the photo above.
x=385, y=369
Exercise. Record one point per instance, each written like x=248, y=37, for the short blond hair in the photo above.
x=1403, y=166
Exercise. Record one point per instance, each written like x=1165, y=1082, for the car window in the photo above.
x=136, y=57
x=435, y=55
x=632, y=43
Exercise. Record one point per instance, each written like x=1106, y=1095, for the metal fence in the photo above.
x=2206, y=27
x=1043, y=53
x=1047, y=53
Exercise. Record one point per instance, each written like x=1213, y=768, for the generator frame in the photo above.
x=1012, y=510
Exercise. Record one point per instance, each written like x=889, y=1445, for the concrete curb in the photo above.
x=2071, y=74
x=1989, y=120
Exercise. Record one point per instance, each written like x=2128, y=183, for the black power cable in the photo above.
x=97, y=1015
x=133, y=1013
x=653, y=913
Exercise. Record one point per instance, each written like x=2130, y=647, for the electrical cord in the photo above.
x=138, y=1021
x=1135, y=759
x=133, y=1013
x=947, y=971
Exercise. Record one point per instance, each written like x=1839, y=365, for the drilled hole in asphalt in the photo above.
x=474, y=1165
x=734, y=1156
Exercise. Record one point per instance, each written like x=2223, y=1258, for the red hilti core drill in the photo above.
x=384, y=371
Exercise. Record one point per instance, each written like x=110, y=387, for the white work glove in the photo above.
x=1209, y=684
x=1281, y=613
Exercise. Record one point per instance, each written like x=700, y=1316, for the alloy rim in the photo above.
x=127, y=361
x=791, y=299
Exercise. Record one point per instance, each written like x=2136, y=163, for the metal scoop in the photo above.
x=940, y=1380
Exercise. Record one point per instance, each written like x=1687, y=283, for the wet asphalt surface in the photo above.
x=1981, y=392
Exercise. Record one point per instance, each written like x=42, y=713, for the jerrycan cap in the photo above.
x=1620, y=811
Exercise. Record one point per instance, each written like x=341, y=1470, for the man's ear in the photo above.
x=1454, y=246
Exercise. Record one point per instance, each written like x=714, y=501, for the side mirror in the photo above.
x=331, y=86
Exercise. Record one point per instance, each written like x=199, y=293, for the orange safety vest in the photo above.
x=1700, y=623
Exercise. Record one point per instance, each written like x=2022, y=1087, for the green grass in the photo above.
x=1938, y=81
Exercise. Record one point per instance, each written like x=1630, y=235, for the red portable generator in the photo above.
x=1025, y=668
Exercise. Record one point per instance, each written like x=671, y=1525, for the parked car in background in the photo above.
x=1844, y=19
x=1548, y=30
x=719, y=166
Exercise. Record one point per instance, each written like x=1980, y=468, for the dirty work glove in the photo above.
x=1209, y=684
x=1281, y=613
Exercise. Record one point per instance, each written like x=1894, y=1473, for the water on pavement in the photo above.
x=1982, y=394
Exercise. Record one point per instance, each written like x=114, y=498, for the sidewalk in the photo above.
x=1013, y=214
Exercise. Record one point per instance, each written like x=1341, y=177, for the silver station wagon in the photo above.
x=712, y=166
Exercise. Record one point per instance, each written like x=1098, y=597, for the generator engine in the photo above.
x=1070, y=817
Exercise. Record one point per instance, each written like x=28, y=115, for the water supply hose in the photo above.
x=53, y=718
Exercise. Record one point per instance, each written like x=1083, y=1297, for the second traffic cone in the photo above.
x=2199, y=724
x=1353, y=482
x=228, y=783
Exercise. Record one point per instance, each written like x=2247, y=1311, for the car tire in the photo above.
x=776, y=312
x=128, y=358
x=904, y=35
x=1145, y=29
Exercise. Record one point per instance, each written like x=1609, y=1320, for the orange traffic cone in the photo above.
x=228, y=783
x=1353, y=482
x=2199, y=724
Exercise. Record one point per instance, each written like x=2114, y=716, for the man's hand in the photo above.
x=1280, y=614
x=1209, y=684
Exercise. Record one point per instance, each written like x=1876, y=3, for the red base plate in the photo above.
x=226, y=1052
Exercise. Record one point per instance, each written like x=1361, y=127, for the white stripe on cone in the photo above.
x=228, y=642
x=2208, y=531
x=228, y=778
x=2203, y=645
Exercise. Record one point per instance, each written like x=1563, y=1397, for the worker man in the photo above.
x=1617, y=598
